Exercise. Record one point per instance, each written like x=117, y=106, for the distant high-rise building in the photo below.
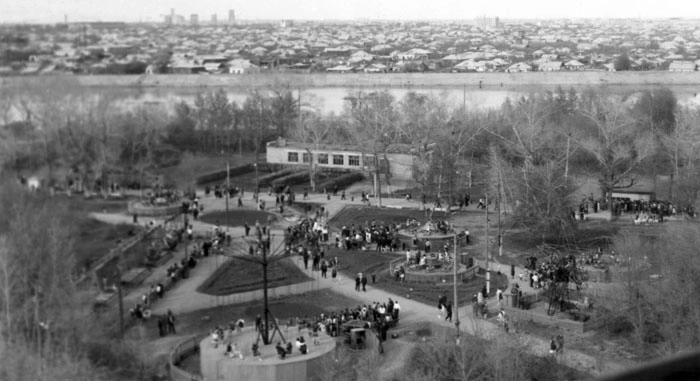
x=487, y=21
x=194, y=19
x=213, y=19
x=231, y=16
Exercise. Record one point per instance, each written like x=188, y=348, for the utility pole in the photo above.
x=488, y=265
x=498, y=206
x=566, y=168
x=455, y=266
x=266, y=331
x=228, y=187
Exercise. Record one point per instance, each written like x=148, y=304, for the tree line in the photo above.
x=526, y=153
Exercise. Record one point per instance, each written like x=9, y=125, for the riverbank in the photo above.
x=365, y=80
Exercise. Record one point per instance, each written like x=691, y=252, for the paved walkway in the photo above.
x=183, y=297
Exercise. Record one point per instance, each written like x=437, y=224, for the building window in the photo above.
x=293, y=157
x=370, y=160
x=354, y=160
x=323, y=158
x=306, y=157
x=338, y=160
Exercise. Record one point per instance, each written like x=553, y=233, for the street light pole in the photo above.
x=488, y=265
x=228, y=187
x=456, y=304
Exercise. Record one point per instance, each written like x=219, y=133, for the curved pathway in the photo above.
x=181, y=297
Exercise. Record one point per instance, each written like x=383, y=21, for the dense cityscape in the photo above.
x=216, y=197
x=190, y=44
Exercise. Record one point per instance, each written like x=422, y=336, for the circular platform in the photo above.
x=239, y=217
x=215, y=365
x=437, y=275
x=437, y=239
x=143, y=210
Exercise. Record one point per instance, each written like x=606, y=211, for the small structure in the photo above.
x=520, y=67
x=399, y=159
x=551, y=66
x=341, y=69
x=682, y=66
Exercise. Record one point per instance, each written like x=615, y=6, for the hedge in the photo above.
x=292, y=179
x=221, y=175
x=267, y=179
x=235, y=171
x=342, y=181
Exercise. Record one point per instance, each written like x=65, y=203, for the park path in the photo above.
x=184, y=297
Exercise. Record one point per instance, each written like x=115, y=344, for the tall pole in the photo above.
x=488, y=265
x=498, y=204
x=265, y=337
x=228, y=186
x=566, y=168
x=456, y=304
x=256, y=178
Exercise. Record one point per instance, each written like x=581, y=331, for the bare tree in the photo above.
x=612, y=141
x=682, y=145
x=313, y=131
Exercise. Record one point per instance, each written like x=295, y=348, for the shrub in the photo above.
x=221, y=175
x=342, y=181
x=267, y=179
x=293, y=179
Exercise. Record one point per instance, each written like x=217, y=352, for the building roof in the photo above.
x=397, y=148
x=682, y=65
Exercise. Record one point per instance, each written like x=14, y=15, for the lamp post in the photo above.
x=257, y=184
x=455, y=266
x=488, y=267
x=262, y=251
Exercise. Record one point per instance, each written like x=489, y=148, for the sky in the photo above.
x=51, y=11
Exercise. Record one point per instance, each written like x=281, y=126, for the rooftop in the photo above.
x=398, y=148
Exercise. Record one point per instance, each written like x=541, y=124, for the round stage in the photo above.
x=215, y=365
x=438, y=275
x=239, y=217
x=143, y=210
x=437, y=239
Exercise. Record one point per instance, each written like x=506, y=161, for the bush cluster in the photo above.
x=342, y=181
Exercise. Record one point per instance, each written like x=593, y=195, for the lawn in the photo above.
x=360, y=214
x=237, y=276
x=352, y=262
x=95, y=239
x=237, y=217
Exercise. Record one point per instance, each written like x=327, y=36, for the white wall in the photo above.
x=400, y=165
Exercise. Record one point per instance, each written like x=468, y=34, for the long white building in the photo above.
x=399, y=159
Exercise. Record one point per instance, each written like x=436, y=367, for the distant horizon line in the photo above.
x=224, y=21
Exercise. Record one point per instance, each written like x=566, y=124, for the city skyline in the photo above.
x=47, y=11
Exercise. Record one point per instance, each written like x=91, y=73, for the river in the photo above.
x=332, y=99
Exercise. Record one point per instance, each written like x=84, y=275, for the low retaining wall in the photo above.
x=277, y=292
x=153, y=211
x=552, y=321
x=464, y=273
x=182, y=350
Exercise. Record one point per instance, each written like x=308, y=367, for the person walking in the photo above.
x=334, y=273
x=448, y=308
x=512, y=271
x=170, y=319
x=357, y=281
x=364, y=283
x=324, y=269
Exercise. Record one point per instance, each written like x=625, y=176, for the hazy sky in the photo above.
x=153, y=10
